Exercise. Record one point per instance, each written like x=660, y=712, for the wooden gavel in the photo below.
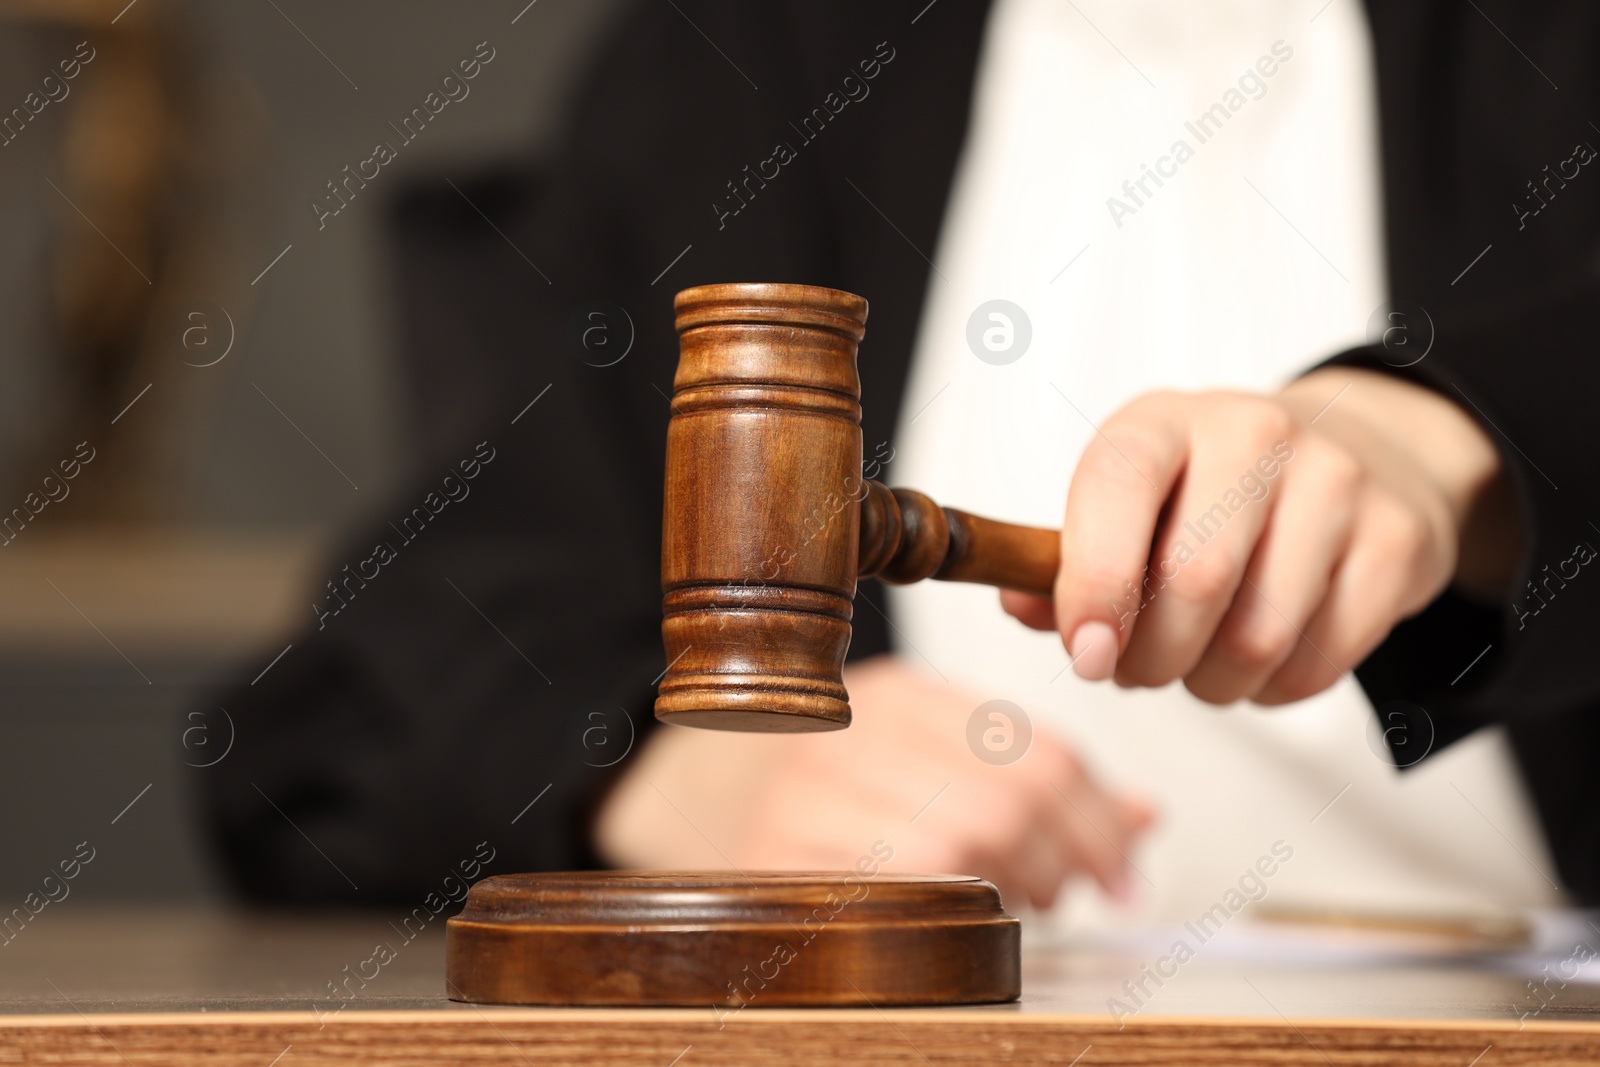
x=769, y=521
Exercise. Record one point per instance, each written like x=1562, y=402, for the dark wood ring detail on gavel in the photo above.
x=906, y=537
x=767, y=521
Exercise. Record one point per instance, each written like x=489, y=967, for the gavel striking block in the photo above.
x=768, y=521
x=768, y=525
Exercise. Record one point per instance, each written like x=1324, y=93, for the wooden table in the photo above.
x=135, y=594
x=80, y=986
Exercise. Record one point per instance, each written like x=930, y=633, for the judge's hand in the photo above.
x=901, y=774
x=1260, y=547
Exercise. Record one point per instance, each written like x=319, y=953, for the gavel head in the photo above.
x=761, y=535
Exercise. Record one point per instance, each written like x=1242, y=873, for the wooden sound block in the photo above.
x=732, y=941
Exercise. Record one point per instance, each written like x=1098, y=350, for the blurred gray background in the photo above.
x=188, y=550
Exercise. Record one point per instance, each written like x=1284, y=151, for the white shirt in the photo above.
x=1258, y=253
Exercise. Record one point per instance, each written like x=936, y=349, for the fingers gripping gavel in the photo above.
x=768, y=522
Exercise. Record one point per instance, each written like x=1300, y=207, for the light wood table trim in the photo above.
x=795, y=1038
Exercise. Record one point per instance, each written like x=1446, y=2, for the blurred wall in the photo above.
x=110, y=630
x=321, y=333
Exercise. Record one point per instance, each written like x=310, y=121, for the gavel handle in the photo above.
x=906, y=537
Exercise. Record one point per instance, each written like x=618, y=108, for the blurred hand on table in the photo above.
x=701, y=798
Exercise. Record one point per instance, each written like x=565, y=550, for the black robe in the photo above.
x=456, y=695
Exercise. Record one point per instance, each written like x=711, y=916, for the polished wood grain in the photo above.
x=768, y=520
x=906, y=537
x=174, y=987
x=733, y=939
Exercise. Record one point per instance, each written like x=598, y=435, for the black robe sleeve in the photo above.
x=1524, y=377
x=1492, y=205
